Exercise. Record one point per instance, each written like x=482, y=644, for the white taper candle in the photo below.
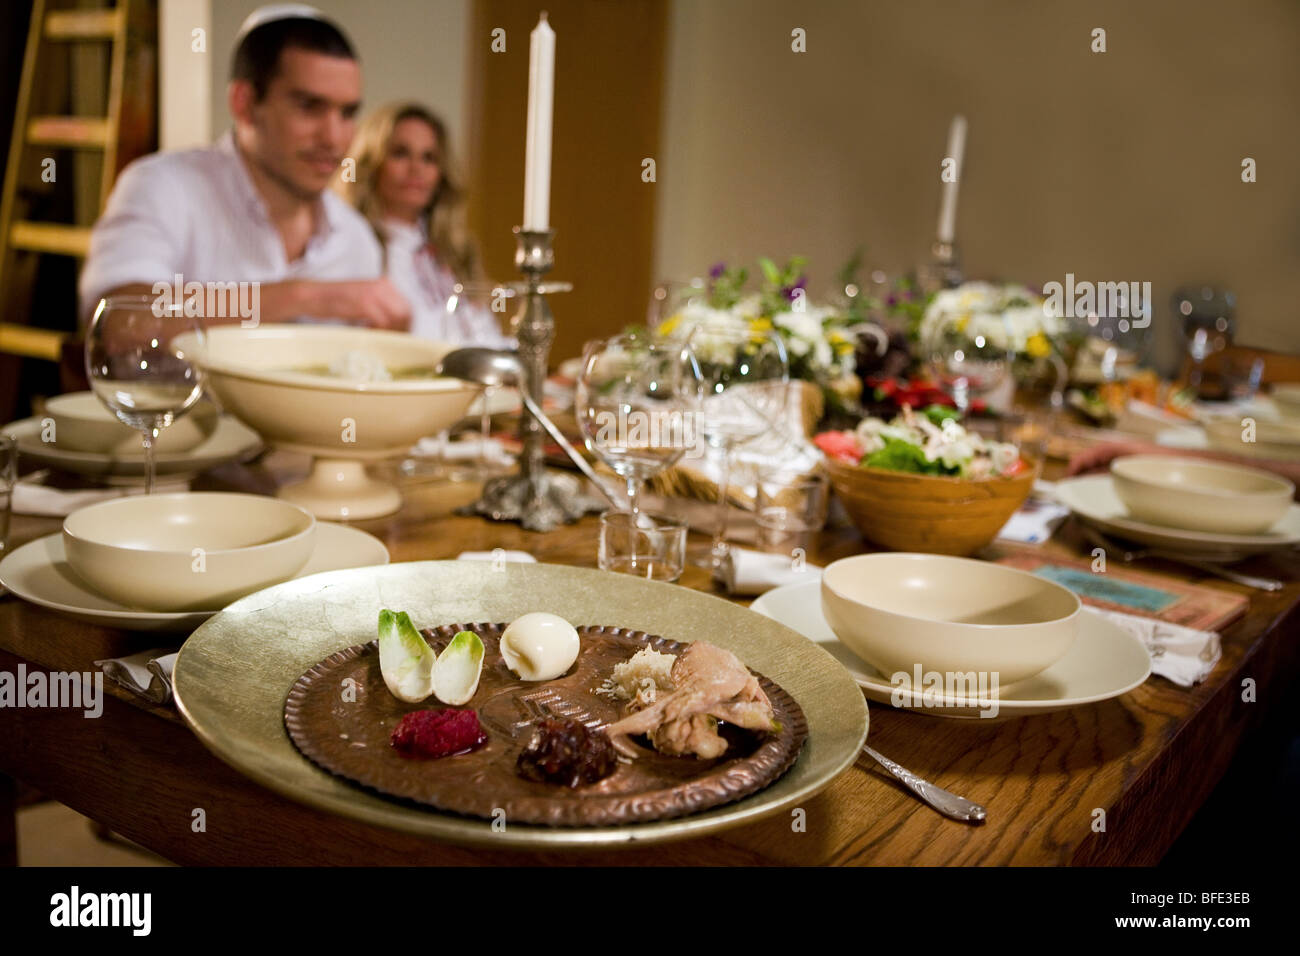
x=948, y=205
x=541, y=94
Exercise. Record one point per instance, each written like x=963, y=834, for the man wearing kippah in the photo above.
x=255, y=207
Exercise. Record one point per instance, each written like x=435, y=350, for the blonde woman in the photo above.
x=406, y=190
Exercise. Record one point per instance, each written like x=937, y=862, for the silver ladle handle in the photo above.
x=572, y=452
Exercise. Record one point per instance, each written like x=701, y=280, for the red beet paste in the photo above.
x=438, y=733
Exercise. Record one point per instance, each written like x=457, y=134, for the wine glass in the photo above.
x=475, y=315
x=746, y=375
x=136, y=368
x=1208, y=323
x=669, y=297
x=636, y=400
x=971, y=357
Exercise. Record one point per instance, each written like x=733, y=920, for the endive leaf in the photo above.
x=405, y=658
x=459, y=667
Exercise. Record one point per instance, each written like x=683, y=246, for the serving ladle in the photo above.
x=497, y=367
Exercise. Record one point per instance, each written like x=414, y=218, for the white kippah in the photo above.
x=276, y=11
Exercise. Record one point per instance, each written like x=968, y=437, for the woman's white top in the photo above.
x=437, y=312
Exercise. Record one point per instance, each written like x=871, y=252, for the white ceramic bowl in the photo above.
x=1198, y=495
x=82, y=423
x=1286, y=396
x=1257, y=438
x=897, y=610
x=141, y=550
x=258, y=374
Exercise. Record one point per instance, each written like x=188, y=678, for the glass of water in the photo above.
x=648, y=545
x=789, y=511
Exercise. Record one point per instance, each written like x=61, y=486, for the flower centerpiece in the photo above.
x=820, y=339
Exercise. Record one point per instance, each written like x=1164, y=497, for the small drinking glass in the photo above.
x=8, y=478
x=647, y=545
x=137, y=369
x=789, y=511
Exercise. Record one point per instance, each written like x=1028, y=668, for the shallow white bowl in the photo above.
x=1200, y=495
x=1286, y=396
x=1256, y=438
x=187, y=551
x=83, y=423
x=948, y=615
x=257, y=374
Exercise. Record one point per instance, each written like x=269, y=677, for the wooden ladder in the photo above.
x=78, y=132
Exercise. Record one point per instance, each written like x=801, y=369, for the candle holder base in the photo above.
x=943, y=271
x=538, y=505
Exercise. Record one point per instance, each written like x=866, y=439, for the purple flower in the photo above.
x=892, y=300
x=717, y=270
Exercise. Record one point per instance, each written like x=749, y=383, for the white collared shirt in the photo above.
x=196, y=213
x=428, y=286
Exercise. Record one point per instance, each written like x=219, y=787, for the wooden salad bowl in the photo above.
x=931, y=513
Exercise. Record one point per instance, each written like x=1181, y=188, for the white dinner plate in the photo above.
x=232, y=440
x=1103, y=662
x=1093, y=499
x=39, y=572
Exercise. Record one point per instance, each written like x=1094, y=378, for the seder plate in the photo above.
x=351, y=739
x=234, y=673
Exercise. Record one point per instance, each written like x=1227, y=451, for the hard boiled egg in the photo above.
x=540, y=646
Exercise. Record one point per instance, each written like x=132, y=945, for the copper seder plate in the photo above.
x=350, y=738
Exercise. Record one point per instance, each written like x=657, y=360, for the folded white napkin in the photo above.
x=148, y=673
x=34, y=498
x=522, y=557
x=746, y=572
x=1034, y=522
x=1180, y=654
x=469, y=448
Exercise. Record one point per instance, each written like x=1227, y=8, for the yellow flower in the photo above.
x=667, y=325
x=760, y=324
x=962, y=322
x=1037, y=345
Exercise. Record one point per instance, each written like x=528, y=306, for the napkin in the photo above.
x=1180, y=654
x=746, y=572
x=34, y=498
x=148, y=673
x=469, y=448
x=521, y=557
x=1034, y=522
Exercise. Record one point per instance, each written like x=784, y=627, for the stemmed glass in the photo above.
x=136, y=368
x=746, y=376
x=637, y=400
x=969, y=362
x=475, y=314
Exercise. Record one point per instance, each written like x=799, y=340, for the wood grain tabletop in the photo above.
x=1147, y=759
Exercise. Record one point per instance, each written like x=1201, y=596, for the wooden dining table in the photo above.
x=1108, y=783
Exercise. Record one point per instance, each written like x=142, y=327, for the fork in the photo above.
x=1128, y=556
x=949, y=804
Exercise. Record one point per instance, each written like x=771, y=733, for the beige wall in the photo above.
x=1114, y=166
x=409, y=49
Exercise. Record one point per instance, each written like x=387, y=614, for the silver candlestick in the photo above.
x=944, y=268
x=538, y=499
